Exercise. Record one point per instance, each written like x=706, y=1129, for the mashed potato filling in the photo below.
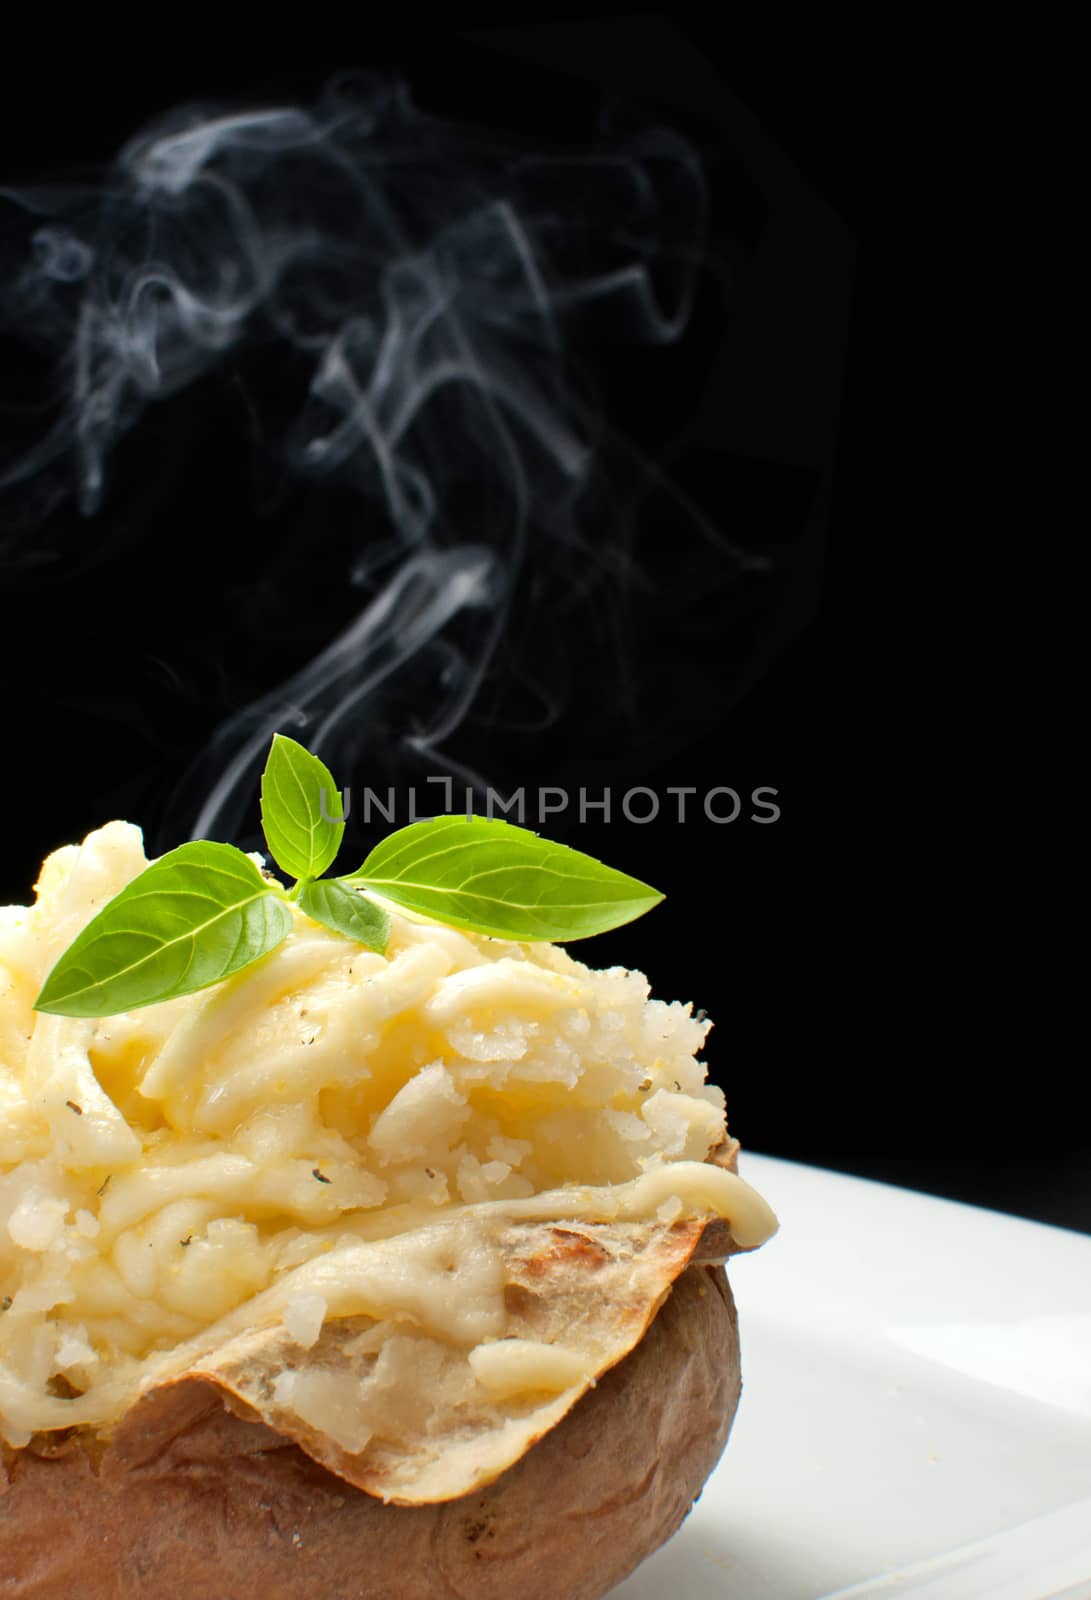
x=330, y=1134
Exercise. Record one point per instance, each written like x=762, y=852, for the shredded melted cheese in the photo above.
x=188, y=1169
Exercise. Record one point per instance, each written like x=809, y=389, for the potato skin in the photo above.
x=229, y=1508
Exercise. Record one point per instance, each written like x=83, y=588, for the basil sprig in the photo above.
x=205, y=911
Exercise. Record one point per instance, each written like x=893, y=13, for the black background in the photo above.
x=847, y=1007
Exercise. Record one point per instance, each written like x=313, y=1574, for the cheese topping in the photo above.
x=322, y=1136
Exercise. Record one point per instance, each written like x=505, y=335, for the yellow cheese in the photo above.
x=325, y=1135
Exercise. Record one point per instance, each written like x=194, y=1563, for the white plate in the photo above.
x=916, y=1409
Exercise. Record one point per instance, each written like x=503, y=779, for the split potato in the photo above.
x=360, y=1275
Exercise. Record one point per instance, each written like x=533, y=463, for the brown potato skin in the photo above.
x=230, y=1509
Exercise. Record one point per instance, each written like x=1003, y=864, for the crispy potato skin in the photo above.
x=226, y=1507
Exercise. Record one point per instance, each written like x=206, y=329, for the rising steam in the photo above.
x=417, y=287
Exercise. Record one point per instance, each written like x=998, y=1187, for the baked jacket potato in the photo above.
x=361, y=1275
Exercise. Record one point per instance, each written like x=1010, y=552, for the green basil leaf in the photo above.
x=346, y=911
x=193, y=917
x=491, y=877
x=295, y=787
